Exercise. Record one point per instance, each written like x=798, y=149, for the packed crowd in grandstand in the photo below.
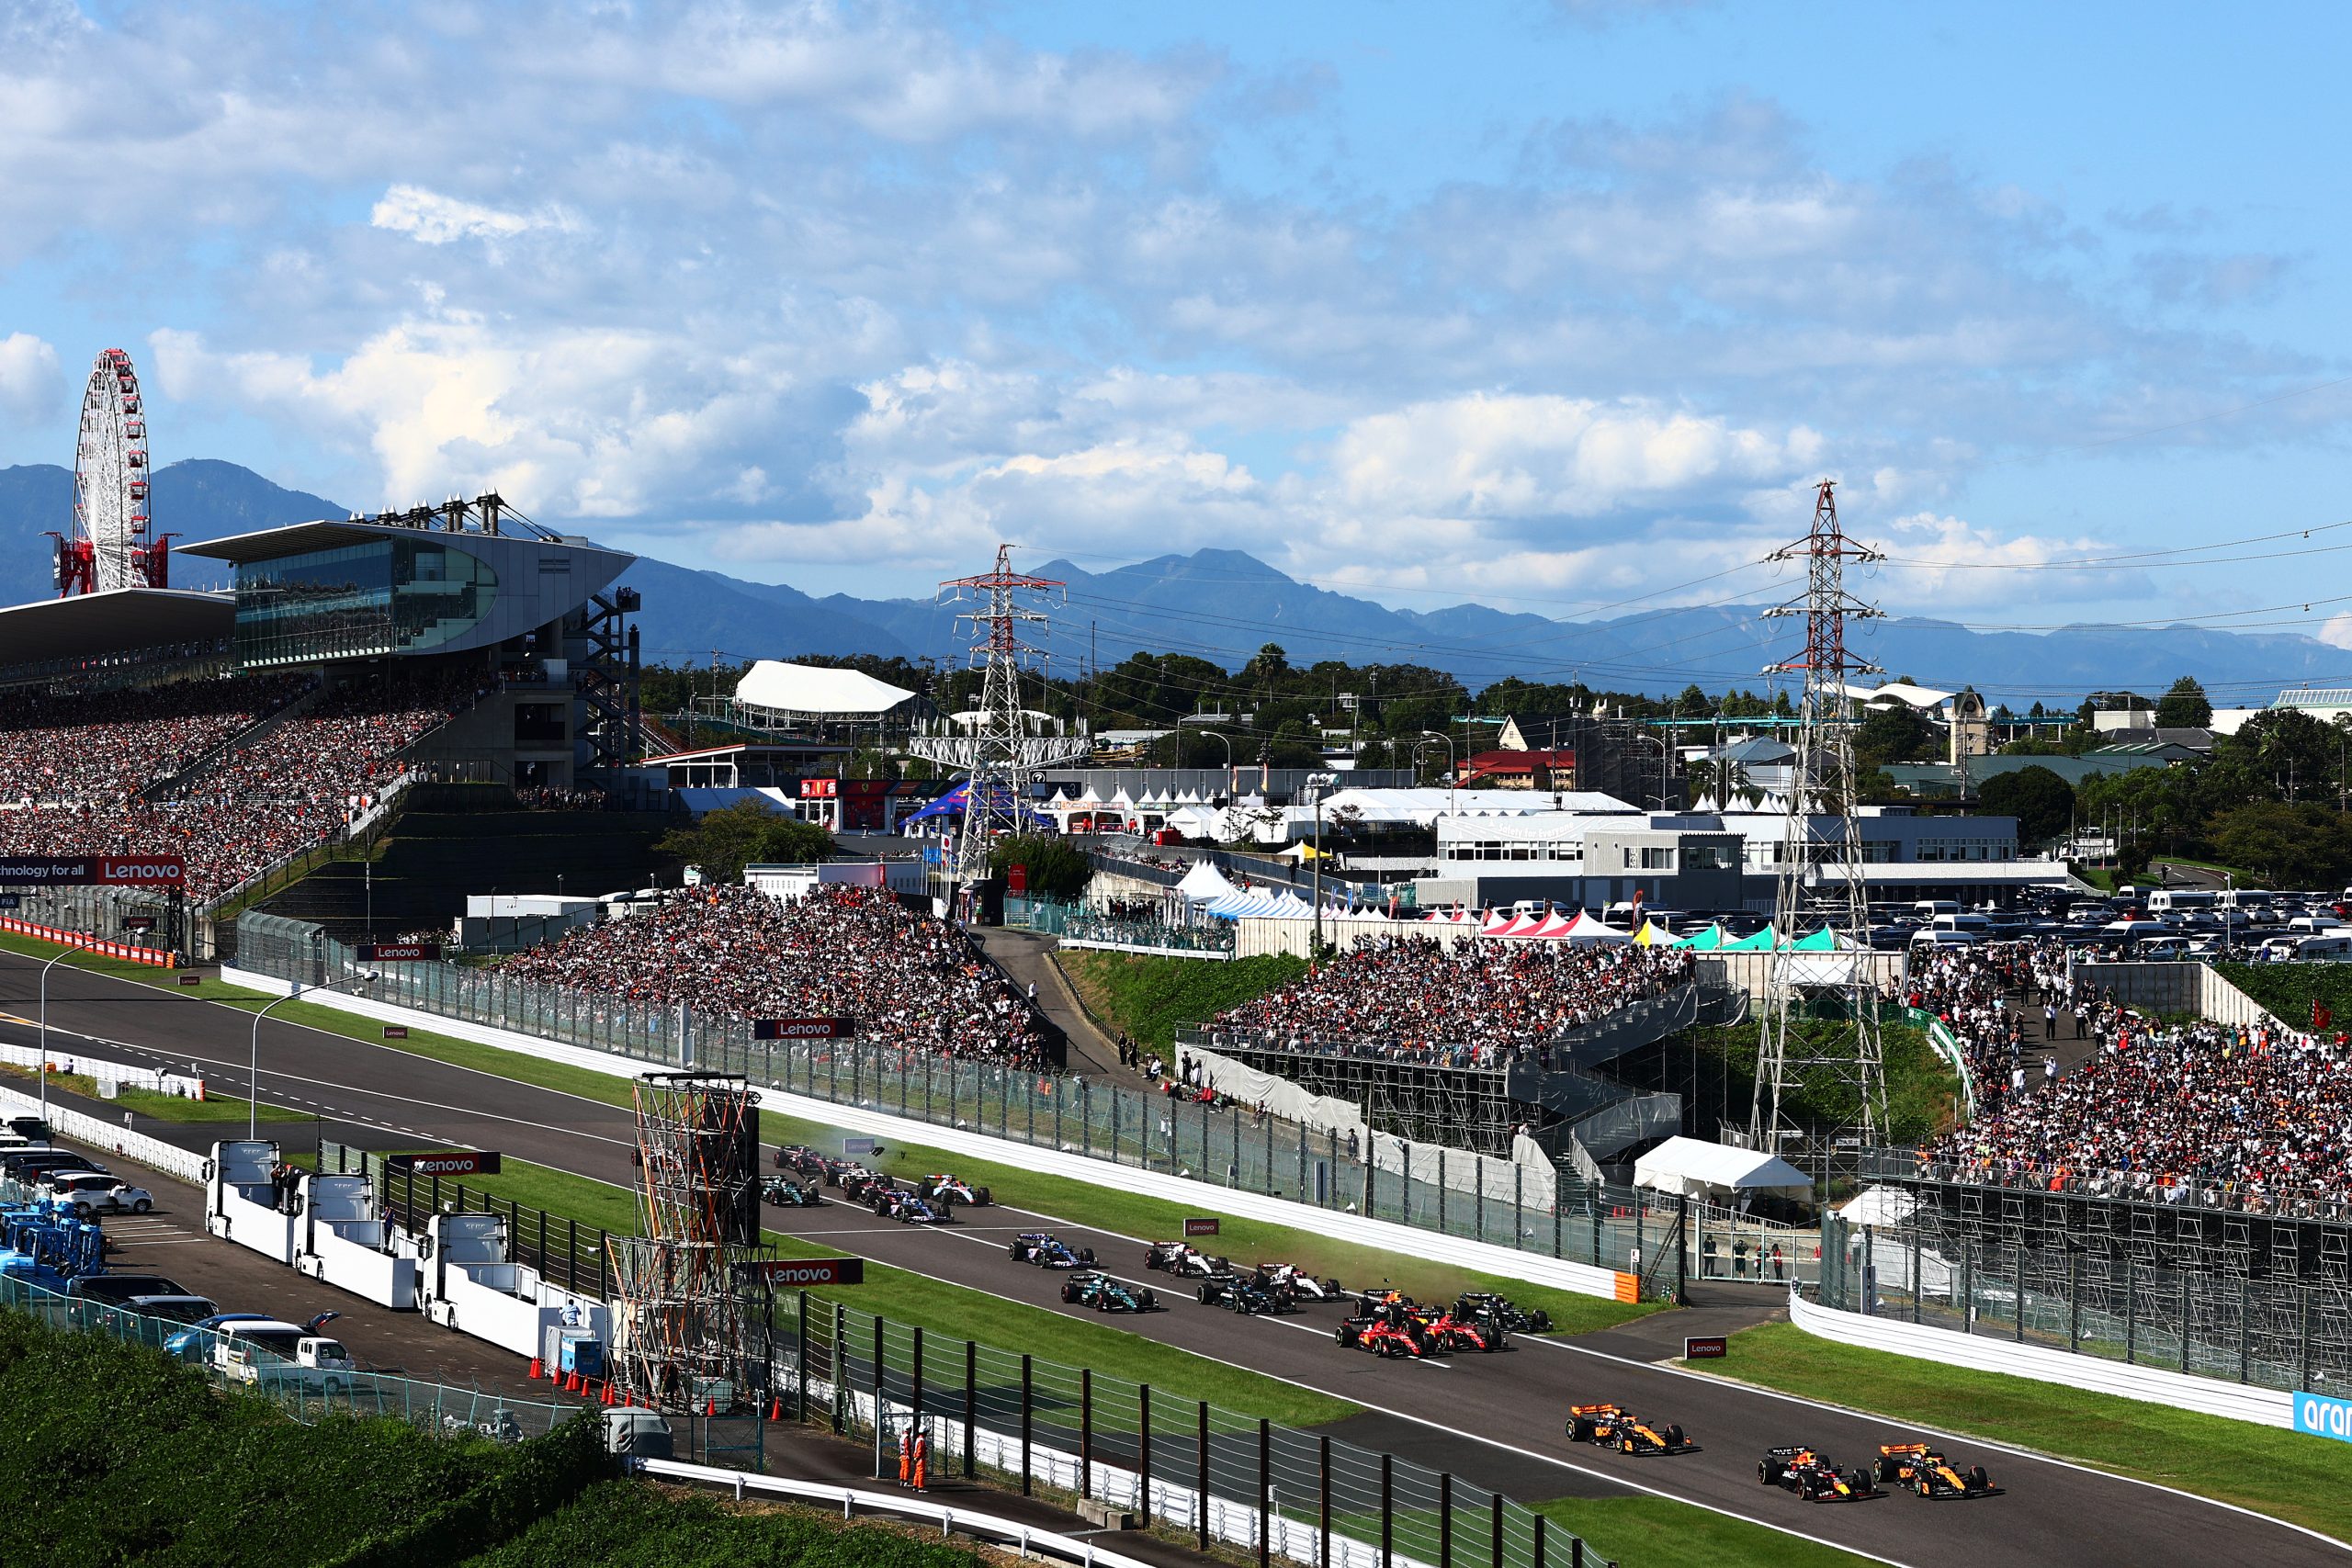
x=907, y=979
x=2002, y=1001
x=1469, y=1003
x=2200, y=1113
x=83, y=759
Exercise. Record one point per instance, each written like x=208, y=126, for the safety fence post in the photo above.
x=1918, y=1288
x=1265, y=1492
x=1388, y=1510
x=2303, y=1342
x=1086, y=1432
x=1518, y=1205
x=2131, y=1311
x=2073, y=1297
x=1441, y=1190
x=914, y=1382
x=2246, y=1331
x=1143, y=1449
x=1536, y=1561
x=878, y=1394
x=1323, y=1553
x=1683, y=1246
x=1495, y=1531
x=1028, y=1404
x=800, y=1372
x=2184, y=1320
x=2021, y=1333
x=1200, y=1477
x=971, y=1402
x=1446, y=1520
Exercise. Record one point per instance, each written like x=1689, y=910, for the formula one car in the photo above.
x=1183, y=1260
x=856, y=1182
x=1813, y=1477
x=1389, y=1329
x=1042, y=1249
x=800, y=1157
x=1448, y=1332
x=953, y=1189
x=1298, y=1283
x=790, y=1192
x=1104, y=1293
x=1926, y=1471
x=1245, y=1293
x=1614, y=1426
x=907, y=1208
x=1485, y=1307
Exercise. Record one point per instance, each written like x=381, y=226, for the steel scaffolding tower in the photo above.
x=1821, y=881
x=1001, y=744
x=694, y=1330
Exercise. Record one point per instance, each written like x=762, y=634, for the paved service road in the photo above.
x=1492, y=1419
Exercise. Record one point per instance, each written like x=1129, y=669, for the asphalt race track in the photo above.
x=1494, y=1420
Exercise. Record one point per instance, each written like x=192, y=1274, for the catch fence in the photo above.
x=2258, y=1299
x=1231, y=1145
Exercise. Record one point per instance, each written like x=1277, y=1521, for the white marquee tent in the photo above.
x=1699, y=1168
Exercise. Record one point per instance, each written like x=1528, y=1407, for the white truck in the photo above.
x=273, y=1354
x=466, y=1281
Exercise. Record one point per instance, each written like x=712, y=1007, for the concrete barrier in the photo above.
x=83, y=1128
x=1205, y=1197
x=1944, y=1347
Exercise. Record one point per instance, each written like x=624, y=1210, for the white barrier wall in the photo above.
x=83, y=1128
x=346, y=1243
x=1484, y=1257
x=2153, y=1385
x=176, y=1084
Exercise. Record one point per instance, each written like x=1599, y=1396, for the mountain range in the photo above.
x=1222, y=606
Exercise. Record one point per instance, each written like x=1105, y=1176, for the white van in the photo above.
x=1928, y=909
x=2180, y=900
x=2330, y=949
x=2315, y=925
x=1943, y=936
x=1978, y=926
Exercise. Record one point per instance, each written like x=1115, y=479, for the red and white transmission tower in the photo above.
x=999, y=744
x=1821, y=884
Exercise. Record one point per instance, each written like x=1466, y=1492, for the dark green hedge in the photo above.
x=2289, y=990
x=629, y=1524
x=1151, y=997
x=119, y=1455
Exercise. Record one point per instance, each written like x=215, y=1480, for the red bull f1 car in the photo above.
x=1104, y=1294
x=1924, y=1471
x=1614, y=1426
x=1813, y=1476
x=1047, y=1252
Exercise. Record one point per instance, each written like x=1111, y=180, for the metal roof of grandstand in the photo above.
x=816, y=691
x=299, y=539
x=90, y=625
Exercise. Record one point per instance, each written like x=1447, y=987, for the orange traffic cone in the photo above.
x=571, y=1380
x=537, y=1370
x=776, y=1408
x=710, y=1406
x=605, y=1394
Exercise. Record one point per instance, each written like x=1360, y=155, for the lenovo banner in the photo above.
x=798, y=1273
x=400, y=952
x=1200, y=1227
x=129, y=870
x=1708, y=1348
x=803, y=1028
x=478, y=1162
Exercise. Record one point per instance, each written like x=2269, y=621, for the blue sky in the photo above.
x=1550, y=306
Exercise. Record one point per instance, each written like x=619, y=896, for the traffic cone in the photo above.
x=605, y=1394
x=710, y=1406
x=536, y=1370
x=776, y=1408
x=571, y=1381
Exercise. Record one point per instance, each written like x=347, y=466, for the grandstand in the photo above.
x=351, y=659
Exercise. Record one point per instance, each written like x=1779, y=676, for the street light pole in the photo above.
x=1452, y=771
x=45, y=968
x=252, y=1071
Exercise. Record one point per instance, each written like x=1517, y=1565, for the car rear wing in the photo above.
x=1891, y=1449
x=1596, y=1409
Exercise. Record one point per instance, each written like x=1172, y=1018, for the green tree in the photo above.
x=2184, y=706
x=1895, y=733
x=2042, y=803
x=746, y=833
x=2288, y=845
x=1055, y=867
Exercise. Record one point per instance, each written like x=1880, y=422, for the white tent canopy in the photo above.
x=1696, y=1167
x=1205, y=884
x=817, y=692
x=1878, y=1206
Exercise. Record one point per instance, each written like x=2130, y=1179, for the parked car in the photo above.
x=96, y=1192
x=194, y=1343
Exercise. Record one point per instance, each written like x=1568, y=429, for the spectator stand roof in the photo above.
x=808, y=691
x=1696, y=1167
x=124, y=621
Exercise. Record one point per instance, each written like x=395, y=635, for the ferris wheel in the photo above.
x=112, y=546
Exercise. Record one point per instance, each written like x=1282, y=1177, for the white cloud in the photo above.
x=433, y=219
x=31, y=385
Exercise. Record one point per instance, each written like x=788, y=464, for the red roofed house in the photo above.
x=1523, y=770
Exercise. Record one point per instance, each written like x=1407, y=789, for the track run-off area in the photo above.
x=1495, y=1420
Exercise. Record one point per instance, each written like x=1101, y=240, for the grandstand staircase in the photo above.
x=1598, y=1119
x=449, y=840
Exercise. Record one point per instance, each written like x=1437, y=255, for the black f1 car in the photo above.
x=1104, y=1294
x=790, y=1192
x=1926, y=1472
x=1042, y=1249
x=953, y=1189
x=1185, y=1260
x=1812, y=1476
x=1245, y=1293
x=1614, y=1426
x=1485, y=1307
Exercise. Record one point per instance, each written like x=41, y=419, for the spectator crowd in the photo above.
x=907, y=979
x=2186, y=1112
x=1470, y=1003
x=75, y=788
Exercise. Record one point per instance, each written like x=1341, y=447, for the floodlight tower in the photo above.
x=1821, y=874
x=1001, y=744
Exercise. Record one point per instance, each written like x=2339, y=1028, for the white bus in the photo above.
x=2179, y=900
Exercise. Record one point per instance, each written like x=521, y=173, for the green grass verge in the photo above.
x=939, y=1307
x=2274, y=1471
x=1653, y=1532
x=1922, y=1094
x=162, y=1107
x=1150, y=999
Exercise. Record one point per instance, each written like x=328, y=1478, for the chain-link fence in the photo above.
x=310, y=1394
x=2253, y=1299
x=1614, y=1226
